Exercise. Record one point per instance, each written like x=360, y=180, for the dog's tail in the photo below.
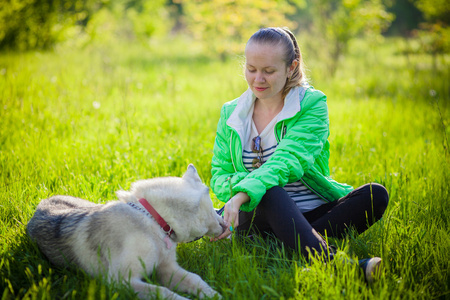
x=126, y=196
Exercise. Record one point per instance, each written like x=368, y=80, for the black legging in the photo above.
x=278, y=214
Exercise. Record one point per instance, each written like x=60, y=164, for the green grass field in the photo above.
x=89, y=122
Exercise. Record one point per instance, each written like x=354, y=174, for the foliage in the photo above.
x=434, y=34
x=337, y=22
x=26, y=24
x=129, y=20
x=434, y=10
x=407, y=17
x=222, y=26
x=89, y=122
x=35, y=24
x=225, y=25
x=435, y=38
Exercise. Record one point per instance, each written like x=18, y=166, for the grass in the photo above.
x=89, y=122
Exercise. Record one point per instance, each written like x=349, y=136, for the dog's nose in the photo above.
x=221, y=223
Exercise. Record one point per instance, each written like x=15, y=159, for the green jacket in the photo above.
x=302, y=152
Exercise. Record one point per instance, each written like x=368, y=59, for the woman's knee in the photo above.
x=379, y=192
x=273, y=196
x=379, y=197
x=274, y=191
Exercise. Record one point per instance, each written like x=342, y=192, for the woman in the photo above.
x=270, y=162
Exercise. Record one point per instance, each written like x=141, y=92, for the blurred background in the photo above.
x=221, y=27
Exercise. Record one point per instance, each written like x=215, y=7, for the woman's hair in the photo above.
x=283, y=36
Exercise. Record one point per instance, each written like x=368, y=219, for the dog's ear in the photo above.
x=126, y=196
x=191, y=174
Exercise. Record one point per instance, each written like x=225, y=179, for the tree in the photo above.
x=223, y=26
x=434, y=34
x=26, y=24
x=407, y=17
x=39, y=24
x=434, y=10
x=129, y=20
x=336, y=22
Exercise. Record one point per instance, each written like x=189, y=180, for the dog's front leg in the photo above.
x=175, y=277
x=148, y=291
x=144, y=289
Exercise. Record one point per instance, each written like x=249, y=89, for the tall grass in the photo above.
x=88, y=123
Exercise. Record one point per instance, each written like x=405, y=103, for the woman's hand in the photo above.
x=231, y=213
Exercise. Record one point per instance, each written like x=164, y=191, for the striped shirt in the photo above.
x=304, y=198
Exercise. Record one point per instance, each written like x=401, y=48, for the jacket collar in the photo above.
x=240, y=117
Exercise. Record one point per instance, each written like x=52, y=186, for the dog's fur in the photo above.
x=124, y=242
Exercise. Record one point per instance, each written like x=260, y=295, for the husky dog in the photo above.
x=133, y=237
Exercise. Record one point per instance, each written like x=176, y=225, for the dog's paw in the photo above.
x=210, y=294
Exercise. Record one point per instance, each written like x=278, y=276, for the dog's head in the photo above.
x=183, y=202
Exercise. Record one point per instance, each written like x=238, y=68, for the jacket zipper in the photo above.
x=231, y=154
x=283, y=133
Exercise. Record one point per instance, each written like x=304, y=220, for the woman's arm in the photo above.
x=223, y=172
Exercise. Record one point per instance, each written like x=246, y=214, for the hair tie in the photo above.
x=273, y=29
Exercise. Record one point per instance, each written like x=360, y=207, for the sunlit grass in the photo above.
x=88, y=123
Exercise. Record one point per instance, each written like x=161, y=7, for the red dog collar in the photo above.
x=166, y=227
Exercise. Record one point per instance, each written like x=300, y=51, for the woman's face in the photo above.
x=265, y=70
